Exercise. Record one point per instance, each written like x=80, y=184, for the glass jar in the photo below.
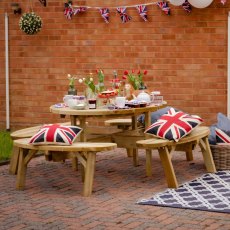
x=156, y=98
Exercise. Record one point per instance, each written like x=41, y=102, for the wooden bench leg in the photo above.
x=14, y=161
x=168, y=167
x=22, y=168
x=25, y=155
x=148, y=162
x=129, y=152
x=207, y=155
x=189, y=155
x=135, y=157
x=89, y=174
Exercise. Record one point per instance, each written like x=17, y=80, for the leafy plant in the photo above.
x=136, y=79
x=30, y=23
x=89, y=82
x=6, y=145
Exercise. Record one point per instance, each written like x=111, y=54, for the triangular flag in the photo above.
x=142, y=10
x=68, y=11
x=123, y=15
x=78, y=10
x=187, y=6
x=105, y=14
x=164, y=7
x=43, y=2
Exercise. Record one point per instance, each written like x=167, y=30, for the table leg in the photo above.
x=134, y=122
x=73, y=120
x=83, y=126
x=147, y=119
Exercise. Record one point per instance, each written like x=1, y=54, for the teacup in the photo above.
x=120, y=102
x=66, y=98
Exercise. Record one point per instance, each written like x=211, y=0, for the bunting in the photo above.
x=142, y=10
x=164, y=7
x=187, y=6
x=71, y=10
x=105, y=14
x=124, y=17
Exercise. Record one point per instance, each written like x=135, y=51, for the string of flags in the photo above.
x=70, y=10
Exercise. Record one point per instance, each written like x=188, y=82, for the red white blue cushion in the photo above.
x=56, y=134
x=174, y=125
x=222, y=137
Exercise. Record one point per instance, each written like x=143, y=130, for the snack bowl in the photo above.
x=80, y=106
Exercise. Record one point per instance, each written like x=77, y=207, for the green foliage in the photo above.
x=6, y=145
x=30, y=23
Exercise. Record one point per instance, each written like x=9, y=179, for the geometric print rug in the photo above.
x=211, y=192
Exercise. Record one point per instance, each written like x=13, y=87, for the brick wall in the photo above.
x=185, y=55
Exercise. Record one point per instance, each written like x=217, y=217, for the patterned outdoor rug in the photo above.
x=211, y=192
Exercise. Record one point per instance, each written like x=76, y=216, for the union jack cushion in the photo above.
x=174, y=125
x=222, y=137
x=55, y=134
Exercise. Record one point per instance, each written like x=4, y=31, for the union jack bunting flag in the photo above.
x=55, y=134
x=105, y=14
x=142, y=10
x=68, y=11
x=222, y=137
x=43, y=2
x=123, y=15
x=187, y=6
x=223, y=1
x=79, y=10
x=174, y=125
x=164, y=7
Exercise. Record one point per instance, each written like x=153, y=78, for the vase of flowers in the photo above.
x=92, y=88
x=135, y=79
x=72, y=90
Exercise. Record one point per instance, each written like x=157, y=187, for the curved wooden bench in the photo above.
x=18, y=134
x=85, y=152
x=165, y=148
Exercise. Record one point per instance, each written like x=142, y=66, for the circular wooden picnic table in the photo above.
x=82, y=115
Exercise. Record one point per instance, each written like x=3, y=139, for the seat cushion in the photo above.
x=222, y=137
x=154, y=115
x=223, y=123
x=55, y=134
x=174, y=125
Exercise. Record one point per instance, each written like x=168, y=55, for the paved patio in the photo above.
x=52, y=198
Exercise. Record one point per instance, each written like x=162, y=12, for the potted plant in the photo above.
x=30, y=23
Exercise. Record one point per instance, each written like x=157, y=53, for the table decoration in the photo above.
x=135, y=78
x=71, y=90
